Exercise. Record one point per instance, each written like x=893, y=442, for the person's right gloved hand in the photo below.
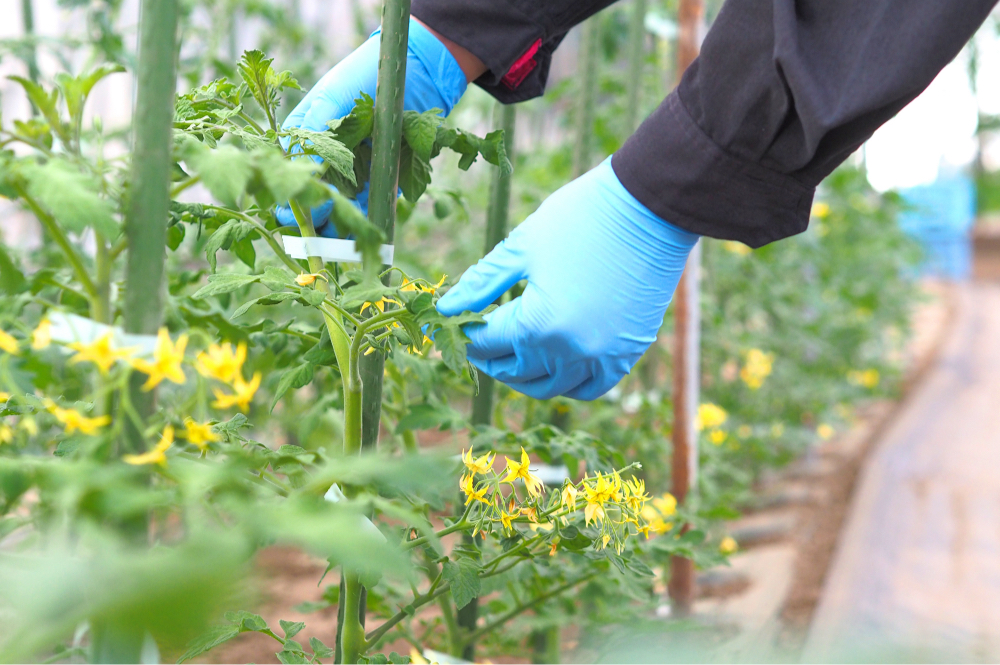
x=601, y=269
x=433, y=80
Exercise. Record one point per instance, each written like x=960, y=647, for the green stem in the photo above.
x=589, y=46
x=52, y=228
x=636, y=61
x=28, y=23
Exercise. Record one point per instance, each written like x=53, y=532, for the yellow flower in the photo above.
x=604, y=489
x=820, y=210
x=635, y=494
x=480, y=464
x=868, y=378
x=29, y=425
x=569, y=496
x=413, y=285
x=654, y=522
x=468, y=486
x=167, y=359
x=73, y=420
x=718, y=436
x=101, y=352
x=380, y=305
x=520, y=470
x=757, y=368
x=4, y=396
x=728, y=545
x=42, y=337
x=666, y=504
x=737, y=248
x=8, y=343
x=824, y=431
x=709, y=416
x=243, y=393
x=222, y=361
x=417, y=658
x=199, y=434
x=158, y=455
x=555, y=546
x=6, y=433
x=308, y=279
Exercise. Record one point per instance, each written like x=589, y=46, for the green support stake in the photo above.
x=584, y=130
x=149, y=202
x=28, y=23
x=636, y=63
x=497, y=215
x=387, y=138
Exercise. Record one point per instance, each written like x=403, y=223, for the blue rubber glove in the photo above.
x=601, y=270
x=433, y=80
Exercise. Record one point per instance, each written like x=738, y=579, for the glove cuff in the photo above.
x=443, y=81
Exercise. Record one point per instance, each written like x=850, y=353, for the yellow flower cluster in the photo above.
x=609, y=503
x=224, y=363
x=868, y=378
x=737, y=248
x=758, y=367
x=9, y=343
x=658, y=514
x=166, y=363
x=710, y=416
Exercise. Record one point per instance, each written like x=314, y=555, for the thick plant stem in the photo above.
x=387, y=138
x=589, y=47
x=149, y=200
x=636, y=61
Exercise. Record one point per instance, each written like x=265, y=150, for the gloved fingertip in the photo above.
x=285, y=216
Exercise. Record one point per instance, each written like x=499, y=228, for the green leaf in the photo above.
x=291, y=628
x=269, y=299
x=451, y=341
x=247, y=622
x=175, y=236
x=276, y=278
x=230, y=233
x=224, y=283
x=214, y=637
x=349, y=220
x=46, y=102
x=320, y=649
x=426, y=416
x=324, y=145
x=70, y=196
x=278, y=180
x=469, y=146
x=369, y=291
x=12, y=280
x=420, y=131
x=225, y=171
x=321, y=353
x=263, y=82
x=76, y=89
x=292, y=657
x=463, y=576
x=358, y=125
x=294, y=377
x=414, y=174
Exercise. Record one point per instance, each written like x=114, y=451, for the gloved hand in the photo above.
x=601, y=270
x=433, y=80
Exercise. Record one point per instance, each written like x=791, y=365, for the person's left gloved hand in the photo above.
x=433, y=80
x=601, y=270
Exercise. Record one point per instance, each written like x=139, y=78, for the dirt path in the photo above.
x=917, y=571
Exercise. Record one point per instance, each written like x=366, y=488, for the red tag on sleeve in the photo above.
x=524, y=66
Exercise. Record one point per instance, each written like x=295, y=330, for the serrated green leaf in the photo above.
x=355, y=127
x=294, y=377
x=46, y=102
x=320, y=649
x=214, y=637
x=414, y=174
x=420, y=131
x=70, y=196
x=278, y=180
x=247, y=622
x=291, y=628
x=323, y=144
x=224, y=237
x=321, y=353
x=224, y=283
x=463, y=577
x=369, y=291
x=225, y=171
x=269, y=299
x=292, y=657
x=12, y=280
x=76, y=89
x=426, y=416
x=451, y=341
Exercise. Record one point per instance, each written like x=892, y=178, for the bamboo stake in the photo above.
x=387, y=138
x=589, y=45
x=686, y=346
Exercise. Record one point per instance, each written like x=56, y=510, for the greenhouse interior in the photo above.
x=497, y=331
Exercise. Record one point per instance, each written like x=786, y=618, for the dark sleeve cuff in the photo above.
x=515, y=46
x=680, y=174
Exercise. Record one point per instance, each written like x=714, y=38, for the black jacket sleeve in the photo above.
x=783, y=92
